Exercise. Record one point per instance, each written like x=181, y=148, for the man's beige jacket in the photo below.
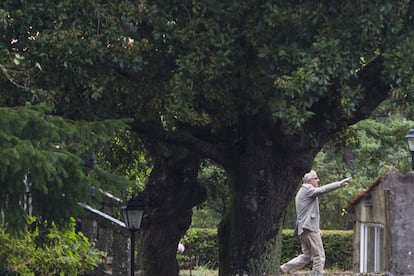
x=307, y=206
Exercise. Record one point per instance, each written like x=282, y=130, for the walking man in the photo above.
x=307, y=224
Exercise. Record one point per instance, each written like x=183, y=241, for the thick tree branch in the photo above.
x=376, y=90
x=329, y=115
x=217, y=152
x=127, y=74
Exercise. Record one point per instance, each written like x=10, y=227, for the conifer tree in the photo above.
x=43, y=170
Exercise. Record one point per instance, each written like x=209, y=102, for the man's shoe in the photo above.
x=284, y=270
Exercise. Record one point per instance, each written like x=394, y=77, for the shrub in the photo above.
x=55, y=252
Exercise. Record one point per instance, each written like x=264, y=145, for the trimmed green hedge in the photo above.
x=201, y=248
x=337, y=244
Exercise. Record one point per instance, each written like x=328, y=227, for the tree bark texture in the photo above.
x=263, y=184
x=171, y=193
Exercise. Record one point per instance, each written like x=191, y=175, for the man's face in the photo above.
x=314, y=181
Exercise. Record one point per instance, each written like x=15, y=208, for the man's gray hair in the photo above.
x=308, y=176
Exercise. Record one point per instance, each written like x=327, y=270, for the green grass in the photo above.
x=199, y=271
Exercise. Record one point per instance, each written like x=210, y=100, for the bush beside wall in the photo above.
x=47, y=251
x=201, y=248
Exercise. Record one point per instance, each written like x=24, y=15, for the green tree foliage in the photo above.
x=296, y=50
x=126, y=155
x=43, y=167
x=209, y=213
x=377, y=144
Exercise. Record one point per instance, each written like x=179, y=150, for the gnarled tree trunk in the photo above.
x=262, y=188
x=171, y=193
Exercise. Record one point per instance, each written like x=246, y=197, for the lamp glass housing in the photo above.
x=132, y=213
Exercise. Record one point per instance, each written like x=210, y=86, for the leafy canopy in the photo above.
x=207, y=62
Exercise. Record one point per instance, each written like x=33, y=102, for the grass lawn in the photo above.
x=199, y=272
x=207, y=272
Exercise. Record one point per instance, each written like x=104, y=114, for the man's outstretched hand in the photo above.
x=345, y=181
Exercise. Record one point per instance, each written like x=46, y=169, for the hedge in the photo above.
x=201, y=248
x=337, y=244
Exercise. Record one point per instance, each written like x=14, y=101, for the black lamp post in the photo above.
x=132, y=213
x=410, y=140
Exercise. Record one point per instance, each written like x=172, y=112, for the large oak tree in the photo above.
x=256, y=86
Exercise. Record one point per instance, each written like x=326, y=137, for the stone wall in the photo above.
x=401, y=189
x=111, y=236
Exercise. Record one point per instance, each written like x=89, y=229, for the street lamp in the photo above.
x=132, y=213
x=410, y=140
